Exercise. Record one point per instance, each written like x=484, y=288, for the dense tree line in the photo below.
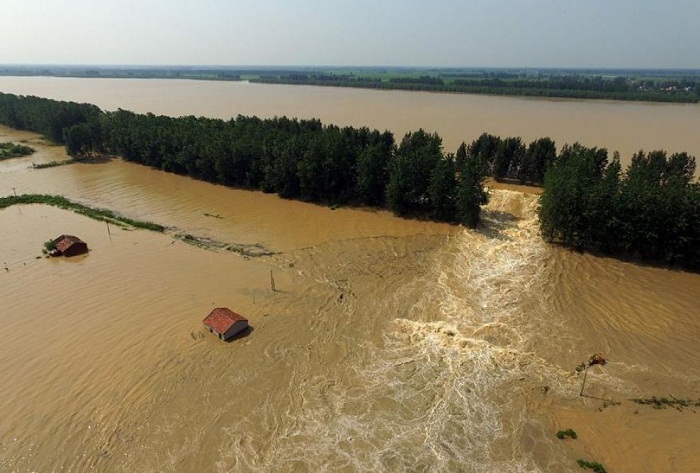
x=685, y=90
x=650, y=211
x=509, y=159
x=304, y=78
x=48, y=117
x=417, y=80
x=298, y=159
x=596, y=83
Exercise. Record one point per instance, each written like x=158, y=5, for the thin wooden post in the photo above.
x=109, y=232
x=583, y=385
x=14, y=191
x=272, y=282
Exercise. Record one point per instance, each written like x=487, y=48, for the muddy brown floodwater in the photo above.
x=623, y=126
x=390, y=345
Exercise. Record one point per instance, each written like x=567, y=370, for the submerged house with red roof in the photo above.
x=225, y=323
x=69, y=245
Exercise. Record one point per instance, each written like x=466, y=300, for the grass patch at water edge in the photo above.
x=102, y=215
x=11, y=150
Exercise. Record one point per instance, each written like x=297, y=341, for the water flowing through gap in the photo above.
x=442, y=369
x=446, y=388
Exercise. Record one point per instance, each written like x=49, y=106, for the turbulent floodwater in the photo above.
x=390, y=345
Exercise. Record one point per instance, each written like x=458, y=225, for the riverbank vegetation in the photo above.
x=665, y=402
x=53, y=164
x=12, y=150
x=610, y=84
x=246, y=250
x=102, y=215
x=595, y=466
x=568, y=433
x=569, y=85
x=650, y=211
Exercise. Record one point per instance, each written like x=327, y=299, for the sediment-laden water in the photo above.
x=623, y=126
x=390, y=345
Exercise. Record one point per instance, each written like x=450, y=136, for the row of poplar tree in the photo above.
x=651, y=210
x=298, y=159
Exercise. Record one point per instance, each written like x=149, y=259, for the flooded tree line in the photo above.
x=297, y=159
x=652, y=210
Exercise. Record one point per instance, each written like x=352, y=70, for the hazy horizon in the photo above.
x=273, y=67
x=441, y=34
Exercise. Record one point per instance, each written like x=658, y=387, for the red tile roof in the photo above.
x=66, y=241
x=222, y=319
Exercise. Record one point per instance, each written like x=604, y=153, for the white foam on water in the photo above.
x=446, y=390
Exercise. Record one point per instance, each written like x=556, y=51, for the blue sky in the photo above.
x=479, y=33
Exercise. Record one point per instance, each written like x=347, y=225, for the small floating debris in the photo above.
x=225, y=323
x=596, y=359
x=249, y=250
x=207, y=214
x=52, y=164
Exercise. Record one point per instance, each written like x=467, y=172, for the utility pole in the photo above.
x=596, y=359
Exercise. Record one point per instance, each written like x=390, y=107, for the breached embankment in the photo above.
x=389, y=345
x=445, y=384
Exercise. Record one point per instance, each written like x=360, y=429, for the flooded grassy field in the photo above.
x=389, y=345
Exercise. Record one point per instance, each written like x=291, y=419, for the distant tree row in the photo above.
x=650, y=211
x=644, y=85
x=570, y=86
x=570, y=82
x=417, y=80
